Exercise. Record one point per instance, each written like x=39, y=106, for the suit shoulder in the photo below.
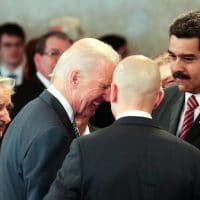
x=177, y=144
x=172, y=95
x=99, y=136
x=172, y=92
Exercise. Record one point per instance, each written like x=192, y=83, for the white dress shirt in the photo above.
x=196, y=111
x=63, y=101
x=87, y=131
x=18, y=72
x=43, y=79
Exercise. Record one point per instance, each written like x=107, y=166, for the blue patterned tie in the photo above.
x=13, y=76
x=76, y=131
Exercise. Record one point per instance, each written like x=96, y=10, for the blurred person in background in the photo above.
x=167, y=78
x=69, y=25
x=12, y=54
x=30, y=68
x=49, y=48
x=117, y=42
x=6, y=91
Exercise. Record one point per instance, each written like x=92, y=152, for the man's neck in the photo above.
x=11, y=67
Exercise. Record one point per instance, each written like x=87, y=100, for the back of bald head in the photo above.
x=86, y=55
x=136, y=77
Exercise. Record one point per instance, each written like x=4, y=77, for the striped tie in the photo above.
x=189, y=116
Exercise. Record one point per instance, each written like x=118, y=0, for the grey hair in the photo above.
x=84, y=55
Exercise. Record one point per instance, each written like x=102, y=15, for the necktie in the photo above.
x=13, y=76
x=76, y=131
x=189, y=116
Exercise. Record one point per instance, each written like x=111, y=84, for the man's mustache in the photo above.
x=181, y=75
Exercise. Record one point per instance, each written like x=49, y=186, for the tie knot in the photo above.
x=12, y=75
x=192, y=102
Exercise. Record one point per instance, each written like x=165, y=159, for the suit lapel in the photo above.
x=60, y=111
x=177, y=107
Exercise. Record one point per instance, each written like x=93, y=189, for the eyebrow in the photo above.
x=183, y=55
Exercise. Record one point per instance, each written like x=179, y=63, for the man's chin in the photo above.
x=184, y=88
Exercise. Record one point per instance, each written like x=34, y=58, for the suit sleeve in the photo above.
x=69, y=178
x=42, y=161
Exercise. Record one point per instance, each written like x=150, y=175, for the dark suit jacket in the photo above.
x=132, y=159
x=29, y=90
x=103, y=116
x=34, y=148
x=168, y=115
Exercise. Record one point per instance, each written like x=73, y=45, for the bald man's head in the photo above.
x=137, y=82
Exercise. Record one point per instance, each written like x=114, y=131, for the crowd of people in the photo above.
x=84, y=119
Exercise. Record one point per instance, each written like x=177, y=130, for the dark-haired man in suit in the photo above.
x=49, y=48
x=12, y=43
x=179, y=113
x=38, y=139
x=133, y=158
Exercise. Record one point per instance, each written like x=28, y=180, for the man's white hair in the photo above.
x=85, y=55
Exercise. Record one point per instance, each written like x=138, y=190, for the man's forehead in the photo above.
x=184, y=45
x=7, y=36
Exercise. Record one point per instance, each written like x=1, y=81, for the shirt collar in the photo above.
x=43, y=79
x=87, y=131
x=135, y=113
x=63, y=101
x=187, y=96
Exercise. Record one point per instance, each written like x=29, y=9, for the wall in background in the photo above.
x=144, y=23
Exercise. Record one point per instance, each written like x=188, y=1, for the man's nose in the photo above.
x=5, y=116
x=177, y=65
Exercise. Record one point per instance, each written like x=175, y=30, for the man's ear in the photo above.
x=74, y=78
x=159, y=98
x=37, y=59
x=113, y=93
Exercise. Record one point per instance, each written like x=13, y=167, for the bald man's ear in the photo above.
x=113, y=93
x=74, y=78
x=159, y=98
